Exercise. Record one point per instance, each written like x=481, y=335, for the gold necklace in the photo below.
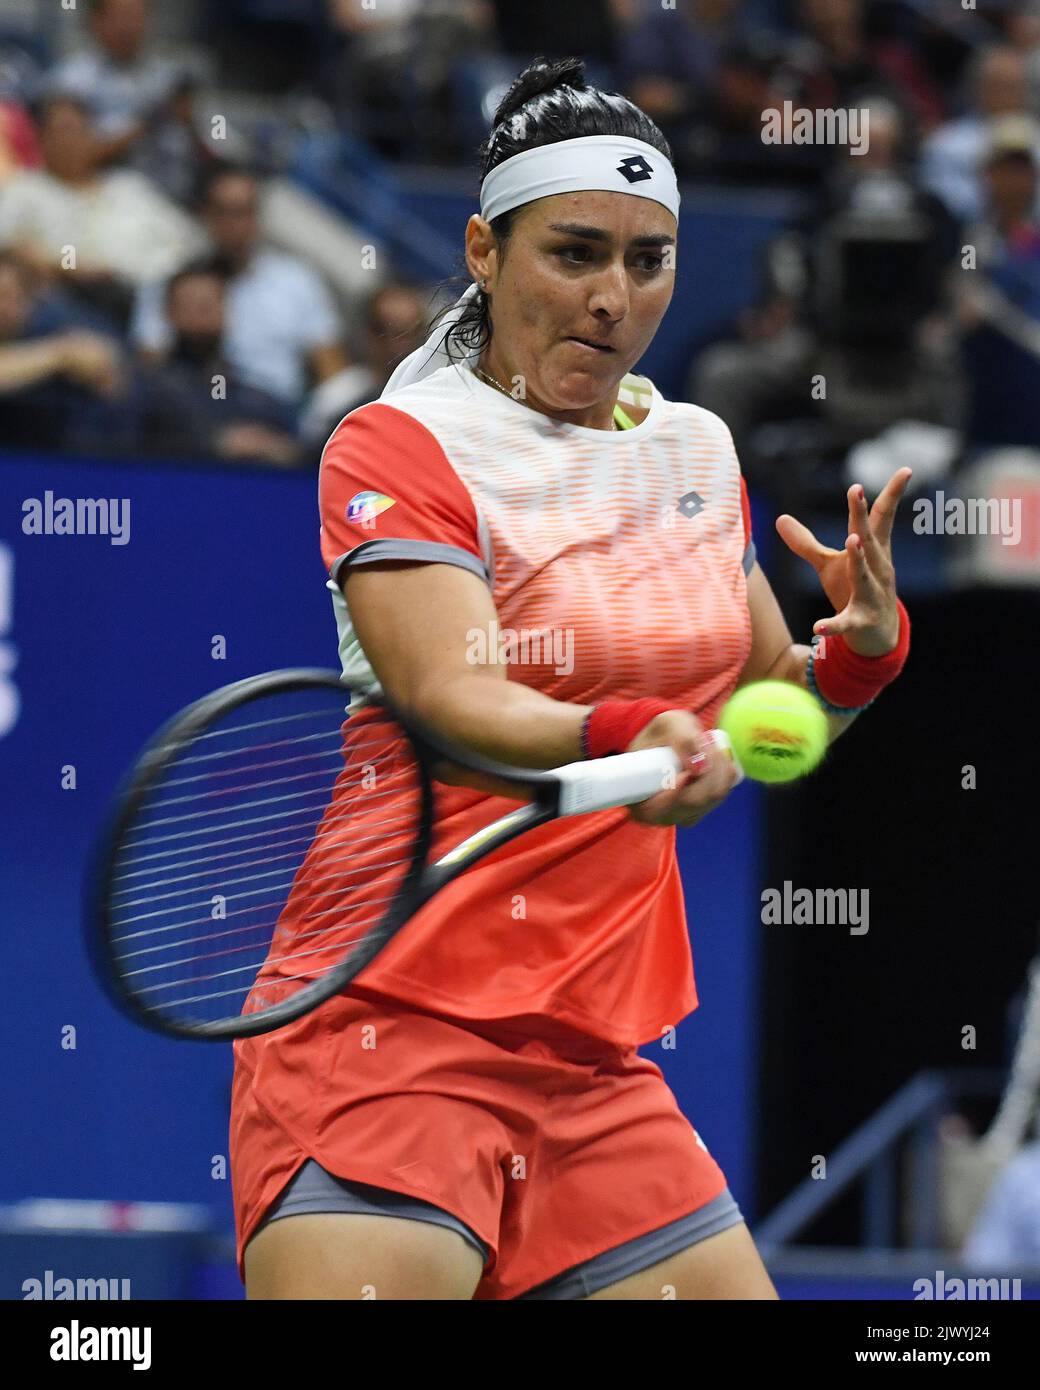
x=492, y=382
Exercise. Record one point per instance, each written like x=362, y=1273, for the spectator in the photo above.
x=176, y=152
x=1007, y=1232
x=122, y=83
x=840, y=59
x=101, y=232
x=192, y=403
x=393, y=327
x=282, y=324
x=672, y=58
x=723, y=139
x=953, y=155
x=19, y=147
x=706, y=71
x=856, y=295
x=390, y=70
x=999, y=298
x=1009, y=174
x=837, y=63
x=60, y=387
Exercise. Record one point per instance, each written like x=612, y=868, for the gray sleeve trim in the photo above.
x=370, y=551
x=749, y=557
x=486, y=546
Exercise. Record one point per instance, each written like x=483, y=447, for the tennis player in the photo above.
x=538, y=555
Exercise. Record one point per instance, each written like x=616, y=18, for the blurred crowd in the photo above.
x=146, y=308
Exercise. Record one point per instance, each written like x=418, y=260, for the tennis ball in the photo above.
x=777, y=729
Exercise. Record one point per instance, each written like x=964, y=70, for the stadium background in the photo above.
x=358, y=127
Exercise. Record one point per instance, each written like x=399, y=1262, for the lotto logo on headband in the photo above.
x=635, y=168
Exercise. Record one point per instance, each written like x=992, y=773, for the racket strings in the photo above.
x=211, y=937
x=329, y=757
x=264, y=850
x=271, y=960
x=264, y=859
x=249, y=820
x=150, y=817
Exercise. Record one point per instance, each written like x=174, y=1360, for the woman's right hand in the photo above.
x=699, y=788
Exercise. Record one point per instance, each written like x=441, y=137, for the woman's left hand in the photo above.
x=859, y=580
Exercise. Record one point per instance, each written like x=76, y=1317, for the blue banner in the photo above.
x=173, y=581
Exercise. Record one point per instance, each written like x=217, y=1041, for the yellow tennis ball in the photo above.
x=777, y=729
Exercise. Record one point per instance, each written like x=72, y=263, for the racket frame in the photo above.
x=420, y=882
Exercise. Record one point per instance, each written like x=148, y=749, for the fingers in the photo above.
x=800, y=539
x=721, y=739
x=866, y=558
x=874, y=528
x=866, y=593
x=698, y=790
x=859, y=524
x=883, y=512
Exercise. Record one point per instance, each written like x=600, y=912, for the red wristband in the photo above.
x=848, y=680
x=611, y=726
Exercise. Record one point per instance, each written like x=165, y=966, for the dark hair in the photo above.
x=548, y=102
x=213, y=173
x=209, y=266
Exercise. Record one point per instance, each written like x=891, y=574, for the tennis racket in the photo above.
x=267, y=845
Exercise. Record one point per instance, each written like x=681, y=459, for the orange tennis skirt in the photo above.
x=550, y=1145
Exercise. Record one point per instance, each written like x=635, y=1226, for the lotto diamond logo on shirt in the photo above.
x=366, y=506
x=691, y=505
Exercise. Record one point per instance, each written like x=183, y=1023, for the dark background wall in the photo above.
x=952, y=874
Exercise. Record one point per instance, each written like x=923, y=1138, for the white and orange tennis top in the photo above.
x=617, y=563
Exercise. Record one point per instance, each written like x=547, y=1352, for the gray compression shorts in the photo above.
x=313, y=1190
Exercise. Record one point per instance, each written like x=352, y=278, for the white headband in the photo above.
x=611, y=163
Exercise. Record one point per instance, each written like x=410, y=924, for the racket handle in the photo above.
x=600, y=784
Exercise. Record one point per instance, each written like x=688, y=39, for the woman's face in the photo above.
x=593, y=265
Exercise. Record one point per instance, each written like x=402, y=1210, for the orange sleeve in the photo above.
x=387, y=491
x=745, y=507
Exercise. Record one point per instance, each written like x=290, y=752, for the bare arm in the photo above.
x=326, y=360
x=26, y=364
x=82, y=356
x=417, y=623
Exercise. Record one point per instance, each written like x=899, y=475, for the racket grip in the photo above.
x=601, y=784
